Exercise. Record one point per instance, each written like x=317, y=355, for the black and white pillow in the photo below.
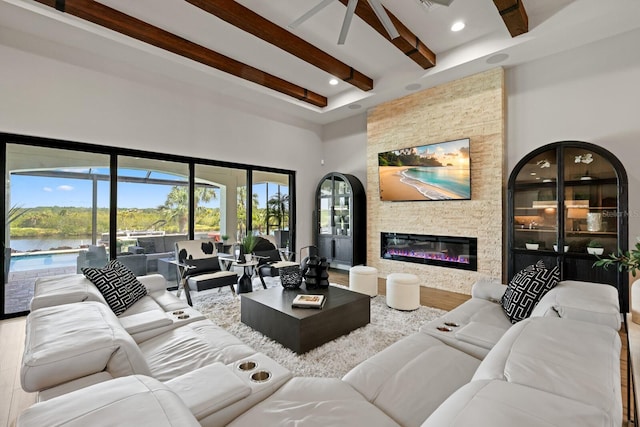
x=526, y=288
x=119, y=286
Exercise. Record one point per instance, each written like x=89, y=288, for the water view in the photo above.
x=47, y=243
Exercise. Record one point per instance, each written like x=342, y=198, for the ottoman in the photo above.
x=403, y=291
x=364, y=279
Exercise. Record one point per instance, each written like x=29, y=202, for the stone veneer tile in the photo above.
x=474, y=108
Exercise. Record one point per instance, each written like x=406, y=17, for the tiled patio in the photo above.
x=19, y=290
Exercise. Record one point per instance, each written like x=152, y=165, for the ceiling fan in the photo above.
x=351, y=7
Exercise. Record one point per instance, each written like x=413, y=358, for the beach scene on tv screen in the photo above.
x=429, y=172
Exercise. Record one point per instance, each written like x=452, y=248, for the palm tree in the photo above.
x=176, y=206
x=278, y=211
x=242, y=210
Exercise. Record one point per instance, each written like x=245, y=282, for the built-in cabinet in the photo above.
x=567, y=204
x=341, y=220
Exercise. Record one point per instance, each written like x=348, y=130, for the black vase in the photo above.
x=312, y=275
x=323, y=273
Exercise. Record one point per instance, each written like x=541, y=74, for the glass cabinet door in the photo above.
x=591, y=203
x=535, y=204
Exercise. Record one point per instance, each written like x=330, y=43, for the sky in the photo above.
x=34, y=191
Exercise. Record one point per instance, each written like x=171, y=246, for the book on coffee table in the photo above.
x=308, y=301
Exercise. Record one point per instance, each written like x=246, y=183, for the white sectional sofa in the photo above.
x=471, y=367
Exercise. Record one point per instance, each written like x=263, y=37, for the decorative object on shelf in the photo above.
x=290, y=277
x=584, y=158
x=594, y=221
x=577, y=215
x=543, y=163
x=565, y=249
x=532, y=245
x=595, y=248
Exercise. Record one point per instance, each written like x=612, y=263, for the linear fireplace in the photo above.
x=443, y=251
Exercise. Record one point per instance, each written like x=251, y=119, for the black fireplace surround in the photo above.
x=443, y=251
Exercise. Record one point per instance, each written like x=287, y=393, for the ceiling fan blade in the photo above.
x=383, y=17
x=351, y=8
x=310, y=13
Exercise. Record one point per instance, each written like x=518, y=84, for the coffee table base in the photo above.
x=302, y=329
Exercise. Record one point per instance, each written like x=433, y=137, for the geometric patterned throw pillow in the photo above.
x=526, y=288
x=118, y=285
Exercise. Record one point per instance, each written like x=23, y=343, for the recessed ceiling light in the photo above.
x=333, y=82
x=457, y=26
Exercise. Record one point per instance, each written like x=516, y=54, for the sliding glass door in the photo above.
x=57, y=205
x=69, y=205
x=271, y=211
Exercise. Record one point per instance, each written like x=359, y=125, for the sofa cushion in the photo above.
x=526, y=288
x=189, y=347
x=589, y=302
x=569, y=358
x=476, y=310
x=132, y=400
x=202, y=265
x=502, y=404
x=63, y=289
x=119, y=286
x=314, y=402
x=69, y=341
x=411, y=378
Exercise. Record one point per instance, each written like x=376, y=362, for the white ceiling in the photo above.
x=554, y=26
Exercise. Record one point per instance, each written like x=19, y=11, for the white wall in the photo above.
x=345, y=147
x=589, y=94
x=41, y=96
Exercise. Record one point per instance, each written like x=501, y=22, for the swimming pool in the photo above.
x=38, y=261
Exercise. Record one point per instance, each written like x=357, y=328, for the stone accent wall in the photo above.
x=473, y=107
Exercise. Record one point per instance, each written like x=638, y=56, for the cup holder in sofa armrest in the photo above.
x=480, y=334
x=195, y=389
x=260, y=376
x=144, y=321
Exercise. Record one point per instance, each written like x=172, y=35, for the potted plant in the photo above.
x=532, y=245
x=629, y=260
x=224, y=238
x=248, y=243
x=595, y=248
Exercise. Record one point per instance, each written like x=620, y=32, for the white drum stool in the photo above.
x=364, y=279
x=403, y=291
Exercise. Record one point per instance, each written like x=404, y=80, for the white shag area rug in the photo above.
x=333, y=359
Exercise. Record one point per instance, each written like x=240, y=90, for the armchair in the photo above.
x=270, y=261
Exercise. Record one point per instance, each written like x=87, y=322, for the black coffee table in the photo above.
x=302, y=329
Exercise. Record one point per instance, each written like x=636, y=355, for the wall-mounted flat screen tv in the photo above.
x=439, y=171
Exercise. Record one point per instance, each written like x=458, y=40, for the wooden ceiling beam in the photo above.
x=408, y=43
x=514, y=16
x=247, y=20
x=112, y=19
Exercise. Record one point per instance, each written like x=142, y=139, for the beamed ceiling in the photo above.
x=245, y=49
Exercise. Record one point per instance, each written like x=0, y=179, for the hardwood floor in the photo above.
x=14, y=400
